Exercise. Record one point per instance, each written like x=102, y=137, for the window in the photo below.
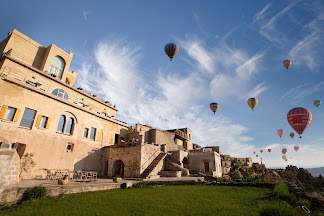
x=10, y=113
x=86, y=132
x=43, y=121
x=60, y=93
x=69, y=126
x=70, y=147
x=61, y=124
x=56, y=68
x=93, y=133
x=28, y=118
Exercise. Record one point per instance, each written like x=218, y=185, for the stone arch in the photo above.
x=118, y=168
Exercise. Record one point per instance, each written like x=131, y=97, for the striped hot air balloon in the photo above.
x=299, y=118
x=284, y=150
x=292, y=135
x=252, y=102
x=280, y=132
x=317, y=103
x=287, y=63
x=171, y=49
x=214, y=107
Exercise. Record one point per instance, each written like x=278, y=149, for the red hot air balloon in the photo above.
x=269, y=150
x=287, y=63
x=296, y=148
x=299, y=118
x=284, y=150
x=280, y=132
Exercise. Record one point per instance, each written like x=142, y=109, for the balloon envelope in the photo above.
x=261, y=151
x=171, y=49
x=252, y=102
x=287, y=63
x=317, y=103
x=269, y=150
x=257, y=155
x=292, y=135
x=280, y=132
x=284, y=150
x=299, y=118
x=296, y=148
x=214, y=107
x=284, y=157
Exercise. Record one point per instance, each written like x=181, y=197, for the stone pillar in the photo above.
x=9, y=172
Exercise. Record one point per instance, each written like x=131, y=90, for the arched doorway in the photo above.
x=118, y=169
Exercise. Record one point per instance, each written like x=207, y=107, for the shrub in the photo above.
x=303, y=202
x=34, y=193
x=281, y=191
x=144, y=184
x=276, y=207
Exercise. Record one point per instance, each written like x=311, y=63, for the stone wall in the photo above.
x=198, y=161
x=9, y=171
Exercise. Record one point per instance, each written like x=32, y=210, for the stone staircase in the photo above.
x=150, y=168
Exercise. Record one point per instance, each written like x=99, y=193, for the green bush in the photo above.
x=276, y=208
x=34, y=193
x=303, y=202
x=281, y=191
x=144, y=184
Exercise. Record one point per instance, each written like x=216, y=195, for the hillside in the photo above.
x=316, y=171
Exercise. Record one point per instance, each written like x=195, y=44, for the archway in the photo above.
x=118, y=169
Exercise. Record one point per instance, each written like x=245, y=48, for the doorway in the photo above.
x=118, y=170
x=206, y=166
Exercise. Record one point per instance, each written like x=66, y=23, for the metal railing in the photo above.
x=158, y=150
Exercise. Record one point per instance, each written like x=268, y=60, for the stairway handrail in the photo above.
x=158, y=150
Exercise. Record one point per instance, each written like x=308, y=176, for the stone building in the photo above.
x=41, y=110
x=226, y=164
x=144, y=151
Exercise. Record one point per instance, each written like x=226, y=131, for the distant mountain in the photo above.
x=316, y=171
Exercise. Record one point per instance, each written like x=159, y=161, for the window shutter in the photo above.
x=99, y=136
x=15, y=119
x=3, y=111
x=39, y=118
x=48, y=122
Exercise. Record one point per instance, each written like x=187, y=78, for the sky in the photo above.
x=229, y=51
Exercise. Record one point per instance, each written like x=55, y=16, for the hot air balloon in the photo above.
x=284, y=157
x=252, y=102
x=214, y=107
x=317, y=103
x=171, y=49
x=269, y=150
x=299, y=118
x=292, y=135
x=261, y=151
x=280, y=132
x=253, y=152
x=287, y=63
x=257, y=155
x=296, y=148
x=284, y=150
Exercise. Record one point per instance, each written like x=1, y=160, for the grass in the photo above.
x=165, y=200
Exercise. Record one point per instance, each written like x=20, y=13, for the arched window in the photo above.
x=60, y=93
x=61, y=124
x=69, y=126
x=57, y=66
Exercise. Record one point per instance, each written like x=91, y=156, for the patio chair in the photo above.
x=95, y=175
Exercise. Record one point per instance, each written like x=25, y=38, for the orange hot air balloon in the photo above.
x=284, y=157
x=287, y=63
x=284, y=150
x=296, y=148
x=299, y=118
x=280, y=132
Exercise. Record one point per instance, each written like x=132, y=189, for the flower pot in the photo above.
x=63, y=182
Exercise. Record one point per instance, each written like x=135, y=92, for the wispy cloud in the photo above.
x=260, y=15
x=85, y=15
x=297, y=94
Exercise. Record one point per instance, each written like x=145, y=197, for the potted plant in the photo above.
x=26, y=163
x=64, y=180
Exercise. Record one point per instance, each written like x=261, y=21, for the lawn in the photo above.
x=165, y=200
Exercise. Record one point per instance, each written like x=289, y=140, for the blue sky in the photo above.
x=229, y=51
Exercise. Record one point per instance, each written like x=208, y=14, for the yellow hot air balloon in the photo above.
x=284, y=157
x=252, y=102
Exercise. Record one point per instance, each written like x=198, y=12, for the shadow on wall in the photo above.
x=92, y=162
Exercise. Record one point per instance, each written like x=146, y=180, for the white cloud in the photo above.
x=85, y=15
x=260, y=15
x=297, y=94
